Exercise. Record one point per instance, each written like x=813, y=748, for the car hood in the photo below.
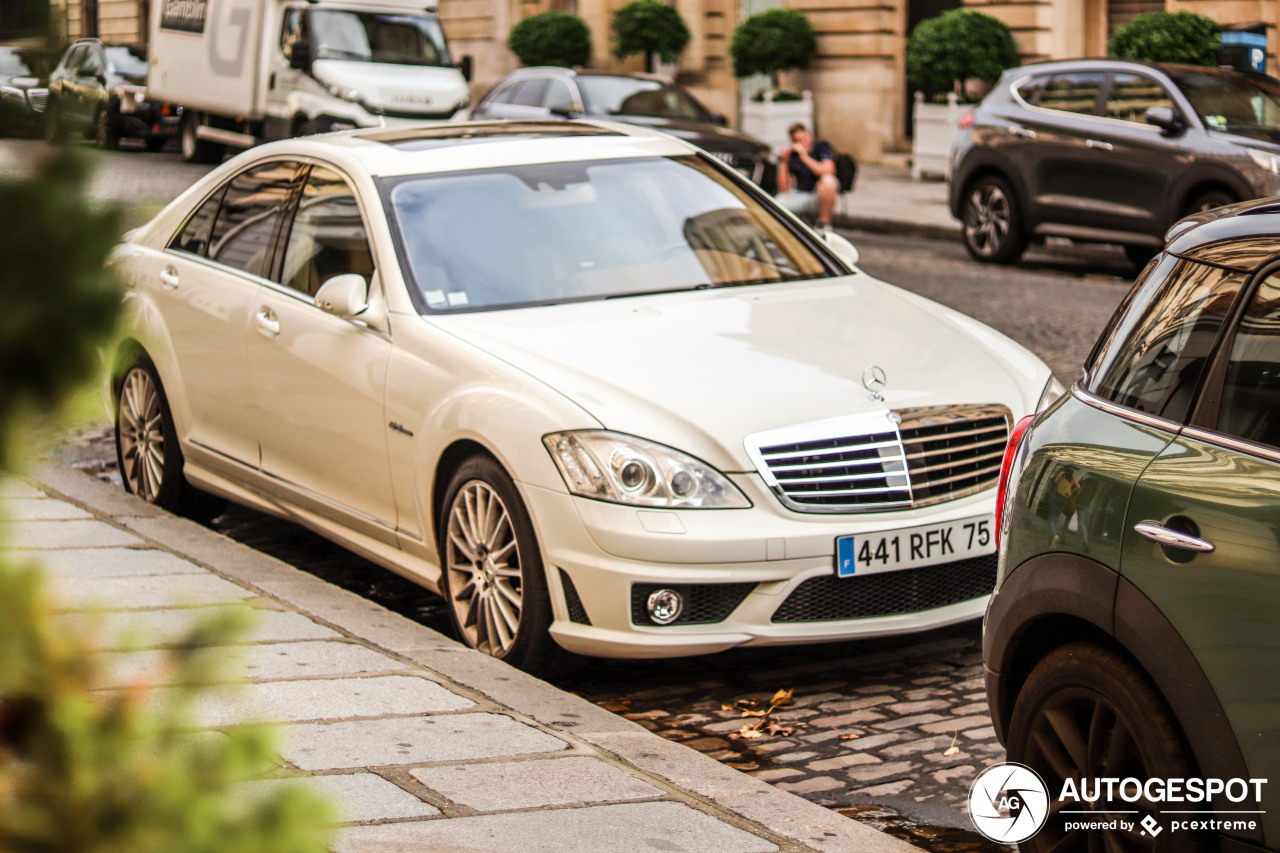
x=708, y=137
x=403, y=89
x=700, y=371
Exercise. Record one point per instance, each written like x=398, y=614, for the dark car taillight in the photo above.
x=1006, y=463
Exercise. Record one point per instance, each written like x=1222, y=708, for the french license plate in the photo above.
x=915, y=546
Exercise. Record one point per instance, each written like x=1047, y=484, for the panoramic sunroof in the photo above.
x=438, y=136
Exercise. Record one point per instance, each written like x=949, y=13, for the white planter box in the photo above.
x=934, y=129
x=768, y=120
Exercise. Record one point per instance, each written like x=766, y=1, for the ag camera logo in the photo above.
x=1008, y=803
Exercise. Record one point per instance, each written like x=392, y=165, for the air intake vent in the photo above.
x=884, y=461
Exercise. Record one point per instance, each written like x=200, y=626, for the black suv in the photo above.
x=1110, y=151
x=647, y=100
x=100, y=91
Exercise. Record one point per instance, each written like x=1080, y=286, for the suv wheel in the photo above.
x=1087, y=712
x=992, y=222
x=1209, y=200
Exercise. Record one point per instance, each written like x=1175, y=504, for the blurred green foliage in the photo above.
x=551, y=38
x=946, y=52
x=650, y=27
x=1179, y=37
x=772, y=41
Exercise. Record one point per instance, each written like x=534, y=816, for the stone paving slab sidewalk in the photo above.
x=425, y=745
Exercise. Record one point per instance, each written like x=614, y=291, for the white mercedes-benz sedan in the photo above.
x=582, y=379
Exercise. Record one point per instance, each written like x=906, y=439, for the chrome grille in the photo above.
x=38, y=98
x=910, y=457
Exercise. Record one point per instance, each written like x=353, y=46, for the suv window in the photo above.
x=1157, y=351
x=328, y=236
x=246, y=223
x=1073, y=93
x=1030, y=90
x=1250, y=402
x=529, y=94
x=1132, y=95
x=558, y=96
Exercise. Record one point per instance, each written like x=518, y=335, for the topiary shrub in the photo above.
x=551, y=38
x=773, y=41
x=1181, y=37
x=650, y=27
x=945, y=52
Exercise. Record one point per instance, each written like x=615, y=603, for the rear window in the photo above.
x=1155, y=349
x=1072, y=93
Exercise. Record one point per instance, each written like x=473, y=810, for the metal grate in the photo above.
x=572, y=601
x=703, y=602
x=828, y=598
x=911, y=457
x=39, y=98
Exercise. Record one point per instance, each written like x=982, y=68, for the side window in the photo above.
x=91, y=63
x=1250, y=407
x=1132, y=95
x=194, y=236
x=328, y=236
x=74, y=58
x=529, y=94
x=1030, y=91
x=245, y=225
x=503, y=95
x=291, y=32
x=1072, y=93
x=557, y=96
x=1160, y=348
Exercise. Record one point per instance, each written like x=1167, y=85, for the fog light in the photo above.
x=665, y=606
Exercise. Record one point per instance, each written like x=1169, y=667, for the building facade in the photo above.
x=858, y=80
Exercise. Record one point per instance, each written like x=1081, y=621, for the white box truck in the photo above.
x=248, y=71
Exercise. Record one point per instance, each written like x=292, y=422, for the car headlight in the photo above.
x=1265, y=160
x=11, y=94
x=1053, y=389
x=129, y=97
x=463, y=103
x=344, y=93
x=610, y=466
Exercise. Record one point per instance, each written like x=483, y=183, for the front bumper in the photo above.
x=596, y=553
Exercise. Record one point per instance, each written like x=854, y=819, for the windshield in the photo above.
x=630, y=96
x=16, y=63
x=126, y=62
x=1232, y=102
x=378, y=37
x=564, y=232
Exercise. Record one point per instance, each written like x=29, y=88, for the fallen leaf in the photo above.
x=782, y=697
x=747, y=712
x=849, y=737
x=749, y=733
x=953, y=749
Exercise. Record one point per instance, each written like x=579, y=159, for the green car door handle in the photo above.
x=1161, y=535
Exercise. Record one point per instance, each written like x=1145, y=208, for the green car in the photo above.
x=1135, y=630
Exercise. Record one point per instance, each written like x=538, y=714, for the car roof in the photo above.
x=1111, y=62
x=556, y=70
x=1247, y=221
x=389, y=152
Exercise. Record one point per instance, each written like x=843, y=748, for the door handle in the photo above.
x=1165, y=537
x=1023, y=133
x=169, y=278
x=1100, y=145
x=268, y=323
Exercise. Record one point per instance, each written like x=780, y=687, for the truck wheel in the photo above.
x=195, y=149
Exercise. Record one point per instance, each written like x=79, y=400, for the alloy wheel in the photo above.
x=988, y=219
x=142, y=446
x=486, y=589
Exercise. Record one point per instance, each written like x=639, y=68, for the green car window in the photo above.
x=1250, y=407
x=1159, y=349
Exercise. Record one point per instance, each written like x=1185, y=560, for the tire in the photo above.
x=195, y=149
x=492, y=575
x=55, y=130
x=992, y=222
x=1208, y=201
x=106, y=132
x=147, y=449
x=1086, y=712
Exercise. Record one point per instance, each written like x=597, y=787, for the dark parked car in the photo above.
x=24, y=74
x=1133, y=631
x=100, y=90
x=1110, y=151
x=640, y=99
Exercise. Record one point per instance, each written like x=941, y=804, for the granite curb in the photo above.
x=777, y=820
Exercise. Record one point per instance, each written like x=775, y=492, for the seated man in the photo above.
x=807, y=184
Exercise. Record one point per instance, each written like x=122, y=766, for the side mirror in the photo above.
x=344, y=295
x=720, y=119
x=300, y=58
x=1169, y=122
x=465, y=68
x=843, y=249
